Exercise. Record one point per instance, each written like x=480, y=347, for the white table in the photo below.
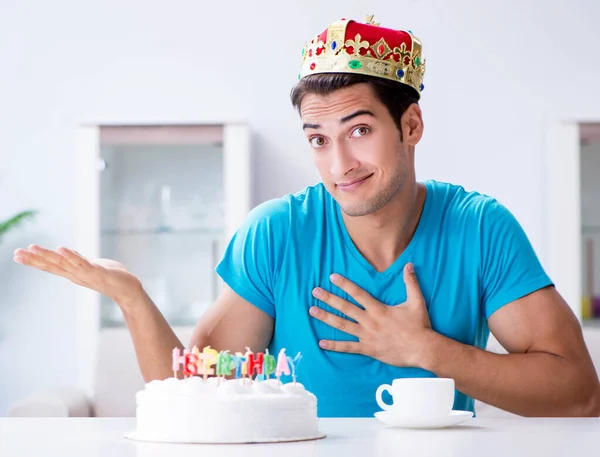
x=511, y=437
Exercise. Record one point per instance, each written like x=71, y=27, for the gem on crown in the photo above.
x=347, y=46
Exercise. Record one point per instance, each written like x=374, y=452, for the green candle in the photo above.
x=269, y=364
x=224, y=364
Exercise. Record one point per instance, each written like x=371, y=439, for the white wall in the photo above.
x=497, y=71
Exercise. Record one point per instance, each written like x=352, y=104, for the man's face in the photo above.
x=356, y=148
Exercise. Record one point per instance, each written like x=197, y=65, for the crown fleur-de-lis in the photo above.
x=402, y=52
x=319, y=44
x=369, y=20
x=357, y=44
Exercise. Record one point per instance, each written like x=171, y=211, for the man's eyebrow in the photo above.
x=311, y=126
x=356, y=114
x=343, y=120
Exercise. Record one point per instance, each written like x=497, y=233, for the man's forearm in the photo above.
x=532, y=384
x=153, y=338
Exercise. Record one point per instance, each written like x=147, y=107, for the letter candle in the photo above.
x=210, y=359
x=190, y=367
x=255, y=363
x=224, y=361
x=246, y=369
x=294, y=364
x=240, y=365
x=178, y=359
x=269, y=364
x=282, y=365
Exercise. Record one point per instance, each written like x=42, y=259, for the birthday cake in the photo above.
x=227, y=398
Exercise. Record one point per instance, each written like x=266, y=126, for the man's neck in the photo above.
x=382, y=237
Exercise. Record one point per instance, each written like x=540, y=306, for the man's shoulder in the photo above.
x=309, y=199
x=456, y=200
x=475, y=214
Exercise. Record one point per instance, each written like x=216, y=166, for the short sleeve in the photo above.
x=253, y=257
x=510, y=267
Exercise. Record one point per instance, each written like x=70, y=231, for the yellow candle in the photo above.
x=210, y=359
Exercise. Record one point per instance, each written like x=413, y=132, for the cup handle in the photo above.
x=380, y=401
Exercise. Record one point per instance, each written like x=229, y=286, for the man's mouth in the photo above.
x=353, y=184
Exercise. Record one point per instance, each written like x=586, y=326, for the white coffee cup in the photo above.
x=431, y=397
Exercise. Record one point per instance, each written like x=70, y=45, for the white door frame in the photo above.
x=562, y=203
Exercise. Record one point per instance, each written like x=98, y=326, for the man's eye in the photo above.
x=360, y=131
x=317, y=142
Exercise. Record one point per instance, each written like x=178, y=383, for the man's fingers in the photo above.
x=342, y=346
x=335, y=321
x=337, y=302
x=356, y=292
x=36, y=261
x=74, y=258
x=51, y=256
x=413, y=290
x=57, y=263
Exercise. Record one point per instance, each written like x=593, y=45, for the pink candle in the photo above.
x=282, y=364
x=178, y=359
x=175, y=365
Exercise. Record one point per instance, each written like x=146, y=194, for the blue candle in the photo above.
x=239, y=360
x=294, y=364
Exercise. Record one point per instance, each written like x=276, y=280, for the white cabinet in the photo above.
x=163, y=200
x=590, y=226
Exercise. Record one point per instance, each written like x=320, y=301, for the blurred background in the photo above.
x=144, y=131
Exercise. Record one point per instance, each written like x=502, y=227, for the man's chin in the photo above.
x=357, y=209
x=355, y=204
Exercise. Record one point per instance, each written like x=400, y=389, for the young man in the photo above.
x=371, y=274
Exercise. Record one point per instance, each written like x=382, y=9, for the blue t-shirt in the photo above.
x=471, y=257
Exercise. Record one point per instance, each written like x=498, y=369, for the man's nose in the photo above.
x=343, y=161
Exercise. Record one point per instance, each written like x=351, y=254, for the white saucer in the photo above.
x=394, y=420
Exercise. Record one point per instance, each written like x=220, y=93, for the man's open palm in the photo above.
x=105, y=276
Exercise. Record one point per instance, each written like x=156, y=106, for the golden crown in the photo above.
x=347, y=46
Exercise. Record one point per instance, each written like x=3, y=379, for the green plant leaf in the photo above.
x=15, y=221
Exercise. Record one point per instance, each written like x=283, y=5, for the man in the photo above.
x=371, y=274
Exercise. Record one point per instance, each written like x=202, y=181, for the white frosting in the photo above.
x=294, y=388
x=234, y=386
x=211, y=381
x=194, y=385
x=264, y=388
x=273, y=382
x=219, y=410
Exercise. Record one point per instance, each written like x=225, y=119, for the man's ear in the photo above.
x=412, y=125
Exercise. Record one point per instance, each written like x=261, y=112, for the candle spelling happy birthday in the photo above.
x=259, y=365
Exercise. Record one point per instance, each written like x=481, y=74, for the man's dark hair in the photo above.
x=397, y=97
